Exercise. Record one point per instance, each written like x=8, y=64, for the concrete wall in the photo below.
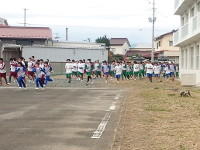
x=56, y=54
x=58, y=68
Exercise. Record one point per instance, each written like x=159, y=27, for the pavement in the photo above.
x=58, y=118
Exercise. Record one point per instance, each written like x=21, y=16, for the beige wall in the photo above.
x=164, y=43
x=120, y=49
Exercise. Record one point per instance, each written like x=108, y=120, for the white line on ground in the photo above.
x=113, y=106
x=117, y=97
x=102, y=126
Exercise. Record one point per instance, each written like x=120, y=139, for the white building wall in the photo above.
x=55, y=54
x=188, y=39
x=121, y=50
x=190, y=64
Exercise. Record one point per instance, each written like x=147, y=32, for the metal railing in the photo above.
x=188, y=30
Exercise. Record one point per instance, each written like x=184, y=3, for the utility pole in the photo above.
x=153, y=31
x=25, y=16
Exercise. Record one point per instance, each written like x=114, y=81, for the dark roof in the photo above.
x=25, y=32
x=119, y=41
x=161, y=36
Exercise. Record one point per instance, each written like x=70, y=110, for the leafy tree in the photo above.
x=103, y=39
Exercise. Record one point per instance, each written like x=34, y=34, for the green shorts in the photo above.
x=97, y=72
x=80, y=74
x=74, y=73
x=136, y=73
x=112, y=73
x=88, y=73
x=129, y=73
x=124, y=72
x=68, y=75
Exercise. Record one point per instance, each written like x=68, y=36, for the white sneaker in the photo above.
x=37, y=88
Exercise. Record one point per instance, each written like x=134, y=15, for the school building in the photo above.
x=188, y=39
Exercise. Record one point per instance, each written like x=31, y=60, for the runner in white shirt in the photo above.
x=68, y=68
x=13, y=73
x=136, y=69
x=2, y=71
x=167, y=71
x=118, y=71
x=75, y=68
x=157, y=70
x=30, y=68
x=81, y=69
x=149, y=70
x=97, y=69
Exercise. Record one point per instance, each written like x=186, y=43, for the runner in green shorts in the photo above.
x=68, y=68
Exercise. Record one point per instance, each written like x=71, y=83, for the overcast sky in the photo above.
x=93, y=18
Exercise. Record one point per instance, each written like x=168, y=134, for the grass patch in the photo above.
x=156, y=108
x=156, y=117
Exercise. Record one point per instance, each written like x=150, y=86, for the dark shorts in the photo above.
x=172, y=74
x=156, y=75
x=118, y=76
x=30, y=73
x=106, y=73
x=2, y=75
x=13, y=74
x=149, y=75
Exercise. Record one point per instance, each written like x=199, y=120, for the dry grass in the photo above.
x=155, y=117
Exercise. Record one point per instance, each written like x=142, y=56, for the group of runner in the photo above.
x=39, y=71
x=125, y=70
x=36, y=71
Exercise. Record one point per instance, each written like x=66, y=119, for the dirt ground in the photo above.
x=155, y=117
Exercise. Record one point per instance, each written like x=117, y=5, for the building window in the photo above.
x=197, y=57
x=186, y=18
x=186, y=59
x=158, y=44
x=182, y=21
x=182, y=58
x=192, y=12
x=170, y=43
x=192, y=58
x=198, y=6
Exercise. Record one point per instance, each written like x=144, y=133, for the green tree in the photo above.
x=103, y=39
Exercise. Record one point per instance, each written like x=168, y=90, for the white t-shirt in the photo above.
x=81, y=67
x=105, y=68
x=157, y=69
x=118, y=70
x=2, y=68
x=75, y=67
x=136, y=67
x=30, y=66
x=68, y=68
x=13, y=66
x=97, y=67
x=167, y=70
x=149, y=68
